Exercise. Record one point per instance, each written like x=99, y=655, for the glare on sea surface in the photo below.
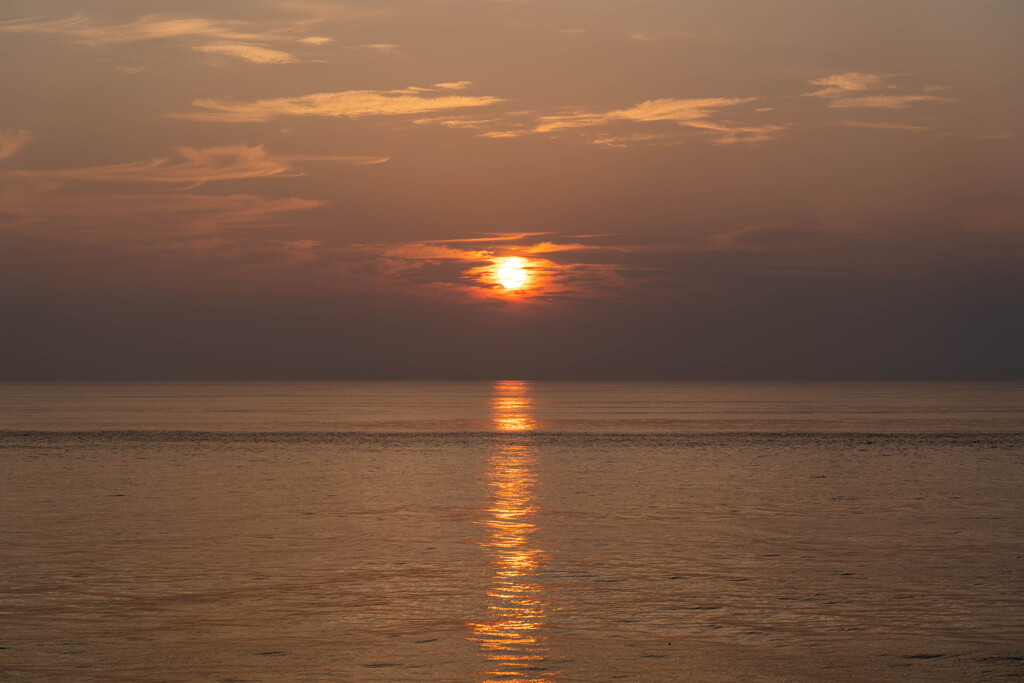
x=512, y=637
x=511, y=407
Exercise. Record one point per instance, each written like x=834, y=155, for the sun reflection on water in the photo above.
x=511, y=638
x=511, y=406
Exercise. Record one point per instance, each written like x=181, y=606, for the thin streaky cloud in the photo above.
x=553, y=247
x=84, y=30
x=348, y=103
x=692, y=113
x=881, y=125
x=503, y=134
x=730, y=133
x=885, y=101
x=634, y=139
x=354, y=160
x=996, y=136
x=662, y=35
x=240, y=39
x=678, y=110
x=851, y=91
x=319, y=10
x=490, y=237
x=838, y=85
x=11, y=142
x=386, y=48
x=113, y=218
x=249, y=251
x=249, y=53
x=681, y=111
x=199, y=166
x=454, y=85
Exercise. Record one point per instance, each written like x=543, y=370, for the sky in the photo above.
x=683, y=189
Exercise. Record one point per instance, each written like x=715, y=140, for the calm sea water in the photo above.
x=512, y=531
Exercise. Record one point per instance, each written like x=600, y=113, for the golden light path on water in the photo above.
x=511, y=639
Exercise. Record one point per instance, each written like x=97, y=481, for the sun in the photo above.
x=512, y=272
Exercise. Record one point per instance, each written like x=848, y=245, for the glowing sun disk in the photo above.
x=512, y=272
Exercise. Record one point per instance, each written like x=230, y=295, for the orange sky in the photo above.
x=293, y=188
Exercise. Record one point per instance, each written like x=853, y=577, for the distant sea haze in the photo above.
x=554, y=406
x=512, y=531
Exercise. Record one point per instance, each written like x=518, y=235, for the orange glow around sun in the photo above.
x=512, y=273
x=513, y=278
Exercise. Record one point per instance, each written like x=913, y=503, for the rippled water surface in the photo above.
x=512, y=532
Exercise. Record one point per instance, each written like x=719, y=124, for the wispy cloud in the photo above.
x=11, y=141
x=850, y=90
x=729, y=133
x=86, y=31
x=663, y=35
x=454, y=85
x=881, y=125
x=386, y=48
x=198, y=166
x=700, y=114
x=840, y=85
x=681, y=111
x=249, y=53
x=693, y=113
x=240, y=39
x=56, y=201
x=348, y=103
x=143, y=217
x=248, y=251
x=885, y=101
x=633, y=139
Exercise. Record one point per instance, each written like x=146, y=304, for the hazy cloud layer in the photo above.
x=199, y=166
x=11, y=141
x=39, y=200
x=693, y=189
x=149, y=219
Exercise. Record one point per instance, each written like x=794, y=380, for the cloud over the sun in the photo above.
x=467, y=266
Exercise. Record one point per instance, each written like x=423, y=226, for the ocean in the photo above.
x=512, y=531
